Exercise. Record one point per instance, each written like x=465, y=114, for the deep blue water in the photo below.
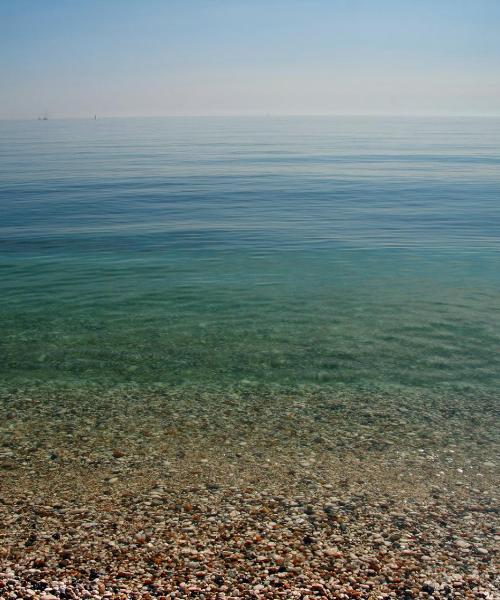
x=359, y=252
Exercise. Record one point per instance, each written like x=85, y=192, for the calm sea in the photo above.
x=358, y=252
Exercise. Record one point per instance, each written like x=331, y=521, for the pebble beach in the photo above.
x=156, y=493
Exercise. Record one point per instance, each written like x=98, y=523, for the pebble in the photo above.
x=244, y=501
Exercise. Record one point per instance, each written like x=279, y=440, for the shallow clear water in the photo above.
x=358, y=252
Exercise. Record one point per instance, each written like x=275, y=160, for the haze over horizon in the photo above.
x=218, y=57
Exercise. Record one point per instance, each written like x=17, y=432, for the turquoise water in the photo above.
x=351, y=252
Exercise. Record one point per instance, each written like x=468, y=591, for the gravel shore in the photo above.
x=249, y=494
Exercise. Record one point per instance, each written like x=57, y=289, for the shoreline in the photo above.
x=148, y=494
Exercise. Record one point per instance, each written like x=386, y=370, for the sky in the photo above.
x=77, y=58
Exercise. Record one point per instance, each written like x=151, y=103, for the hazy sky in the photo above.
x=169, y=57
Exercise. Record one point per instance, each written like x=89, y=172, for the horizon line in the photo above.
x=252, y=115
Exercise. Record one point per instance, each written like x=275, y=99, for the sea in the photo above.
x=354, y=253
